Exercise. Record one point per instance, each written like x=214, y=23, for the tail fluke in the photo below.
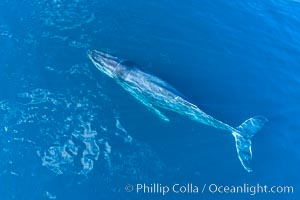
x=243, y=139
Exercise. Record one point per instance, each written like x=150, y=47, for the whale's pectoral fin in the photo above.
x=162, y=116
x=156, y=111
x=243, y=139
x=144, y=101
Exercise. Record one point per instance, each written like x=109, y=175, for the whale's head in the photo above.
x=105, y=62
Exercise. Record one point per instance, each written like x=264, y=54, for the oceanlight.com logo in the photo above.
x=250, y=189
x=190, y=188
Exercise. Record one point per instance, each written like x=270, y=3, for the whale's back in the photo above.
x=129, y=64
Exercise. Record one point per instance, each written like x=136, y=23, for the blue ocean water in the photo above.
x=69, y=132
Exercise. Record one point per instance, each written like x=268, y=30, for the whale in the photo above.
x=157, y=95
